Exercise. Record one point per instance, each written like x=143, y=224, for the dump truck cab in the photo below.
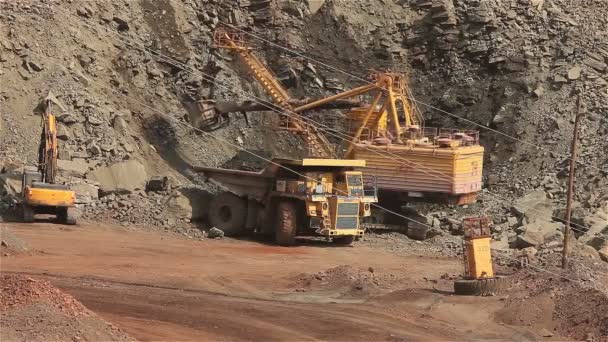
x=332, y=193
x=294, y=198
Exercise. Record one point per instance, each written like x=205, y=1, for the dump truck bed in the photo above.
x=257, y=184
x=243, y=183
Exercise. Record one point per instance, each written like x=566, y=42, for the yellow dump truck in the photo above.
x=293, y=198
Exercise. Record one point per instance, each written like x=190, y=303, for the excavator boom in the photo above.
x=317, y=143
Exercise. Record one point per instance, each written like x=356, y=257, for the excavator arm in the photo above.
x=390, y=92
x=47, y=153
x=317, y=143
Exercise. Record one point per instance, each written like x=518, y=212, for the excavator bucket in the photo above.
x=205, y=116
x=52, y=99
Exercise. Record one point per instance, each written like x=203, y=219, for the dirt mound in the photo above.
x=10, y=244
x=346, y=281
x=549, y=303
x=35, y=310
x=19, y=291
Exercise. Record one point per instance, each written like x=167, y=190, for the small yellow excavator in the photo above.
x=40, y=193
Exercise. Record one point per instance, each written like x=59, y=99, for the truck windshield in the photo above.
x=354, y=180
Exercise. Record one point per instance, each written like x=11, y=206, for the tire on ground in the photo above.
x=346, y=240
x=228, y=212
x=480, y=287
x=27, y=213
x=286, y=224
x=66, y=215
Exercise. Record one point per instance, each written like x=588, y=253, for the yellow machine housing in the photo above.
x=409, y=159
x=479, y=258
x=50, y=197
x=477, y=251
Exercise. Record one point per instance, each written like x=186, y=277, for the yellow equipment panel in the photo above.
x=452, y=171
x=479, y=258
x=50, y=197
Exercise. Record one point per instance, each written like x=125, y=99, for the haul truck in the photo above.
x=293, y=198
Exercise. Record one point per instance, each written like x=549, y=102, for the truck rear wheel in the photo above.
x=286, y=224
x=228, y=212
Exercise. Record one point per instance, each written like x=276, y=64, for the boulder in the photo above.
x=588, y=252
x=315, y=5
x=537, y=233
x=77, y=167
x=528, y=239
x=63, y=133
x=10, y=184
x=604, y=253
x=192, y=204
x=215, y=233
x=574, y=73
x=157, y=183
x=533, y=207
x=120, y=125
x=85, y=193
x=577, y=218
x=122, y=177
x=597, y=223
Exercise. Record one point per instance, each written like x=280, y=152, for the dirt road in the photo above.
x=160, y=286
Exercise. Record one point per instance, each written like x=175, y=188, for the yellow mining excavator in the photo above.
x=411, y=162
x=40, y=193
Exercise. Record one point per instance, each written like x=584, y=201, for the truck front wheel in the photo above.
x=228, y=212
x=286, y=224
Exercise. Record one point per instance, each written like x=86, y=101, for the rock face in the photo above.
x=121, y=177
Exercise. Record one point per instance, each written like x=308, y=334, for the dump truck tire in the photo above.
x=27, y=213
x=228, y=212
x=67, y=215
x=286, y=224
x=344, y=240
x=480, y=287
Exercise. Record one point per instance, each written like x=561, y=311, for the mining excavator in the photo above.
x=40, y=192
x=319, y=196
x=409, y=161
